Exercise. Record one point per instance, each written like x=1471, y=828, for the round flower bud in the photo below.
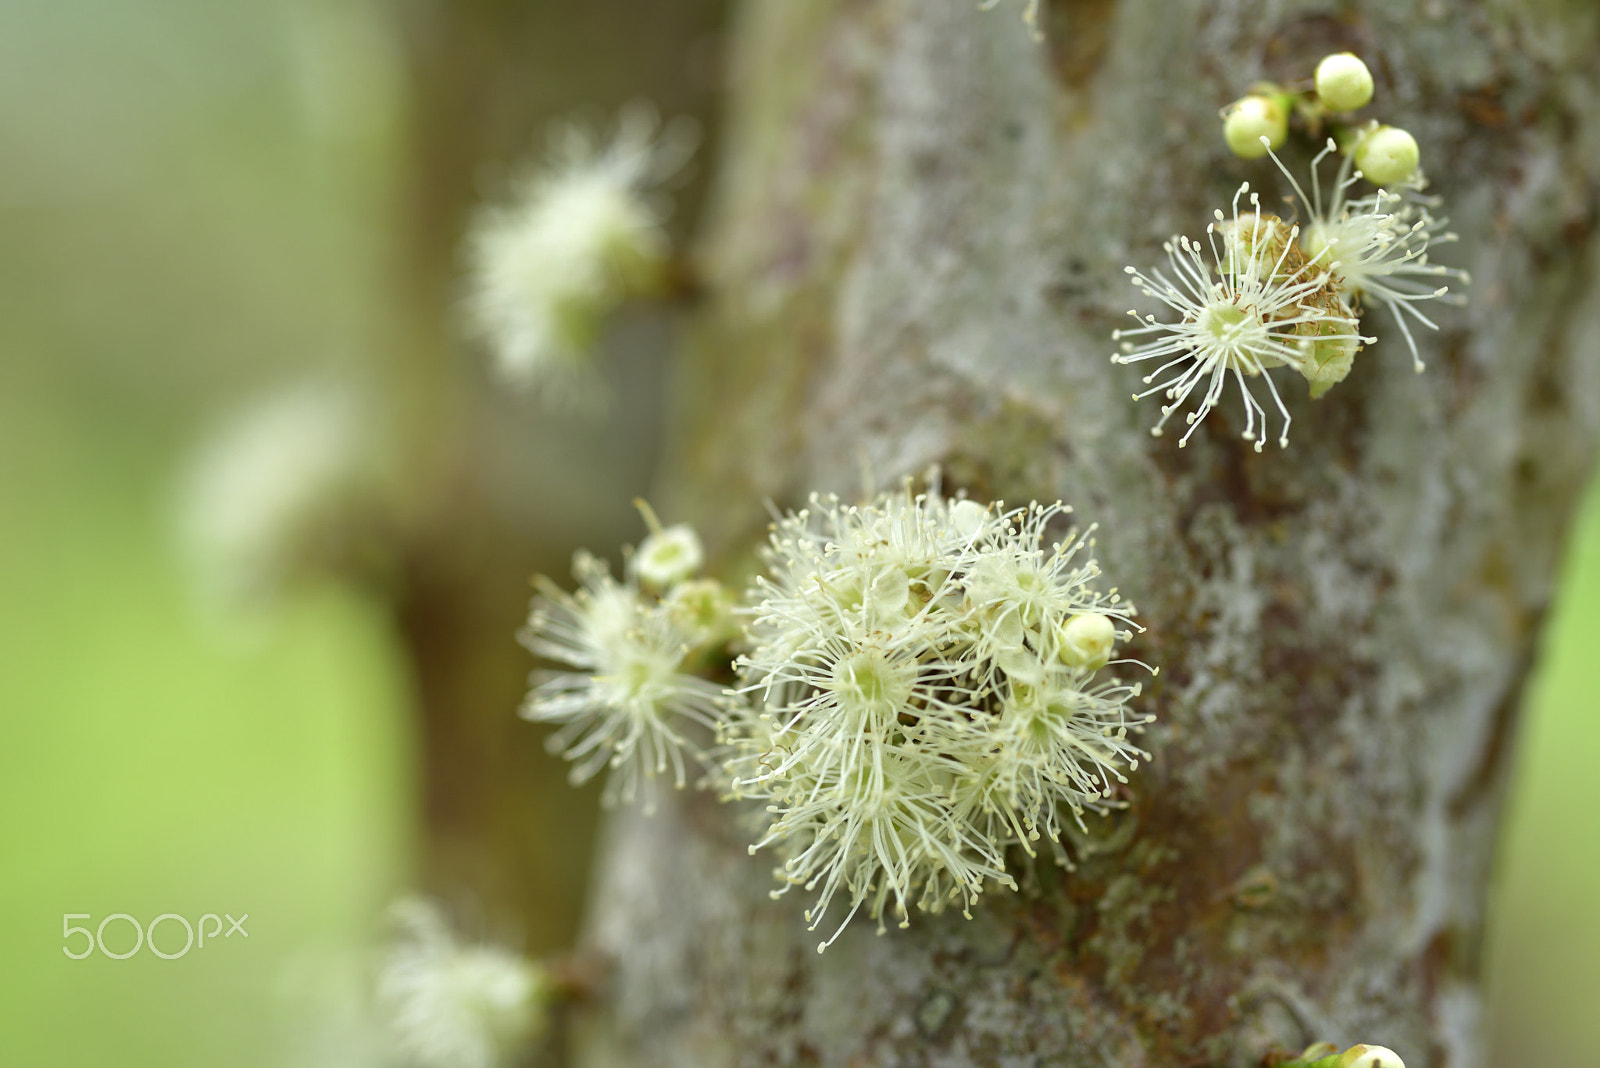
x=1087, y=640
x=967, y=518
x=668, y=556
x=1318, y=243
x=1343, y=82
x=704, y=609
x=1250, y=119
x=1387, y=155
x=1364, y=1056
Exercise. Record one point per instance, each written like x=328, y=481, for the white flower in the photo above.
x=1376, y=246
x=445, y=1005
x=916, y=709
x=1059, y=740
x=580, y=236
x=266, y=498
x=1255, y=309
x=629, y=702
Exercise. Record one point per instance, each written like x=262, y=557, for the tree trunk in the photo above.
x=917, y=258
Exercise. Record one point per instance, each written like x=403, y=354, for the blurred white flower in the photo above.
x=268, y=498
x=670, y=555
x=448, y=1005
x=580, y=235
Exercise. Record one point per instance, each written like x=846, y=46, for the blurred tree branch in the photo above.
x=485, y=78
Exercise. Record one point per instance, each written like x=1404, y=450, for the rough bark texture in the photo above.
x=924, y=217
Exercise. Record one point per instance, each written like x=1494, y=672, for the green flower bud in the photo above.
x=1330, y=349
x=1325, y=1055
x=1087, y=640
x=1251, y=118
x=703, y=608
x=1343, y=82
x=1387, y=155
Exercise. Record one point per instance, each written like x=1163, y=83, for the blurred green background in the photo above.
x=201, y=202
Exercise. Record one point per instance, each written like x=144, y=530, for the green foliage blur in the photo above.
x=1544, y=939
x=192, y=208
x=196, y=203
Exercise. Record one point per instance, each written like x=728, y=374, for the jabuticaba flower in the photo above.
x=443, y=1003
x=582, y=233
x=1255, y=305
x=627, y=696
x=923, y=689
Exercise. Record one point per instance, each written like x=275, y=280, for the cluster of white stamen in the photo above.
x=1293, y=295
x=631, y=701
x=448, y=1005
x=581, y=235
x=1376, y=246
x=1250, y=308
x=922, y=691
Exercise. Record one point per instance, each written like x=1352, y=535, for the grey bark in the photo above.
x=923, y=221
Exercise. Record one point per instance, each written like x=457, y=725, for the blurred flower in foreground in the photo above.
x=448, y=1005
x=581, y=234
x=271, y=496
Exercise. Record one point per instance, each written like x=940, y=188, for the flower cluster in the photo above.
x=923, y=690
x=448, y=1005
x=635, y=645
x=1376, y=245
x=580, y=236
x=1258, y=122
x=1275, y=293
x=1260, y=303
